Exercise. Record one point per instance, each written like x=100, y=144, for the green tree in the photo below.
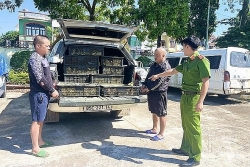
x=237, y=35
x=19, y=61
x=74, y=9
x=198, y=17
x=11, y=36
x=10, y=5
x=158, y=16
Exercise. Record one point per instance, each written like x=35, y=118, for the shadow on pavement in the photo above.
x=15, y=123
x=127, y=153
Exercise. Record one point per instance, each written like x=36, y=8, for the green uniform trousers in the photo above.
x=191, y=141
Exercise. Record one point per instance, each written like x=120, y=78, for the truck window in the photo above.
x=239, y=59
x=214, y=61
x=173, y=62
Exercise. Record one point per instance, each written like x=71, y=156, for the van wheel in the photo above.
x=51, y=117
x=223, y=96
x=116, y=113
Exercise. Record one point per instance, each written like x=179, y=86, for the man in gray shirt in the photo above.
x=41, y=88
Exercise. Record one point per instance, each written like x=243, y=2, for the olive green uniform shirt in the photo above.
x=194, y=69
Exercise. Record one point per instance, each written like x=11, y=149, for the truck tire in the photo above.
x=116, y=113
x=51, y=117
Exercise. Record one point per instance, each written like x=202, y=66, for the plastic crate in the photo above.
x=112, y=61
x=111, y=79
x=120, y=90
x=78, y=90
x=85, y=50
x=112, y=70
x=76, y=78
x=70, y=69
x=81, y=60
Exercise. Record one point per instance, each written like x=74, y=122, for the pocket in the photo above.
x=40, y=98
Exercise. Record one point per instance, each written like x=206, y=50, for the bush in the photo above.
x=145, y=61
x=19, y=78
x=19, y=61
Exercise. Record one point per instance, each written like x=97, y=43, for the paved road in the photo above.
x=95, y=139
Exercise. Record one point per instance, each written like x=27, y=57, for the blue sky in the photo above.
x=10, y=20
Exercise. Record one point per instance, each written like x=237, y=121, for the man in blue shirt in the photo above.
x=41, y=88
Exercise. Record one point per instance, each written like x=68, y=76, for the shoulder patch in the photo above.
x=201, y=57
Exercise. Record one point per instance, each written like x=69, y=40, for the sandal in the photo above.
x=156, y=138
x=41, y=154
x=150, y=131
x=46, y=144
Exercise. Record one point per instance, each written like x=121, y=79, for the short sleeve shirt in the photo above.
x=194, y=69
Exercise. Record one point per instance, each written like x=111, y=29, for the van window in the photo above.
x=214, y=61
x=174, y=62
x=239, y=59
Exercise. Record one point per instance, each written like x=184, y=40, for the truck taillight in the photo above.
x=226, y=76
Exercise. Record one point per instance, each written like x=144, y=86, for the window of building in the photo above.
x=33, y=29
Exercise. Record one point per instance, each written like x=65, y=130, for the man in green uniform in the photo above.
x=195, y=82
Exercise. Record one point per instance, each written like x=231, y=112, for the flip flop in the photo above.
x=41, y=153
x=156, y=138
x=150, y=131
x=46, y=144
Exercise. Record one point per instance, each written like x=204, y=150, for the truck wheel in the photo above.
x=51, y=117
x=4, y=89
x=116, y=113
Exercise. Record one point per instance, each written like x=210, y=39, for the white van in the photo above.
x=230, y=70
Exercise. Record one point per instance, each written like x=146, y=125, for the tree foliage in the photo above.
x=10, y=4
x=158, y=16
x=11, y=36
x=73, y=9
x=19, y=61
x=198, y=18
x=239, y=34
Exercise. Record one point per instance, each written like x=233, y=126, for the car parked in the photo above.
x=92, y=69
x=3, y=76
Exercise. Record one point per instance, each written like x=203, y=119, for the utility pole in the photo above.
x=208, y=13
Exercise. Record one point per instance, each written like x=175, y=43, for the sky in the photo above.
x=9, y=21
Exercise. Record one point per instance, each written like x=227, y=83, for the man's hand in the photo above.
x=55, y=94
x=154, y=77
x=199, y=107
x=144, y=89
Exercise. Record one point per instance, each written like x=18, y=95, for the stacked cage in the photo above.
x=78, y=66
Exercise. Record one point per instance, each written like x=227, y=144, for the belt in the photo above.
x=190, y=93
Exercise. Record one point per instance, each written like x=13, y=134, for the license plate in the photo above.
x=104, y=107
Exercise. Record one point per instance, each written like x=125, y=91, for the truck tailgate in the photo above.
x=92, y=101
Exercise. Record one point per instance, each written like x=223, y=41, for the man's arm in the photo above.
x=204, y=89
x=164, y=74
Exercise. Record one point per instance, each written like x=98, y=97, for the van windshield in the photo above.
x=239, y=59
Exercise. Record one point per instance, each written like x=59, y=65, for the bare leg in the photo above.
x=40, y=139
x=162, y=125
x=34, y=133
x=155, y=122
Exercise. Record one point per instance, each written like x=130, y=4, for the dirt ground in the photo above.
x=96, y=139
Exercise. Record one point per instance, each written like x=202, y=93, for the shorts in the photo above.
x=157, y=103
x=38, y=105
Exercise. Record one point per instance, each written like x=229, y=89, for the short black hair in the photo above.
x=193, y=41
x=38, y=39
